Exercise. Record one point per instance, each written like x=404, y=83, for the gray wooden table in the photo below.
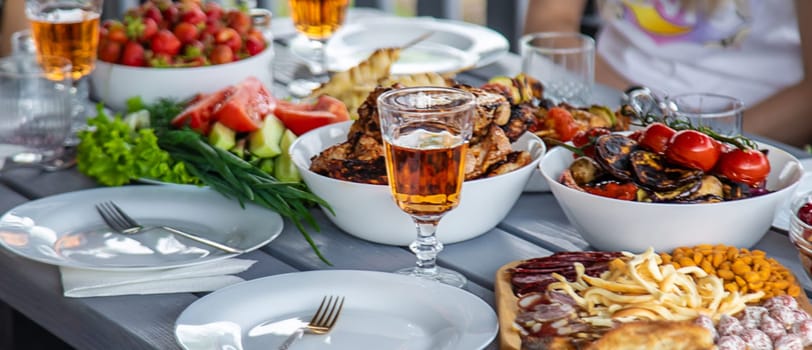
x=536, y=226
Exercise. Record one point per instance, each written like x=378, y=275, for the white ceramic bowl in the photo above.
x=113, y=83
x=617, y=225
x=369, y=212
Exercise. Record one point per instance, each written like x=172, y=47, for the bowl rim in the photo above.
x=267, y=51
x=555, y=183
x=533, y=163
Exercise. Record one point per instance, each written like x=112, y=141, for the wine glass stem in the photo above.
x=320, y=56
x=79, y=114
x=426, y=247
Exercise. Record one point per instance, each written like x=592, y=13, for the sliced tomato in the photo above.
x=247, y=106
x=301, y=117
x=301, y=121
x=198, y=115
x=333, y=105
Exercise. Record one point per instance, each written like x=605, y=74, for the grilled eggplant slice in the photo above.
x=653, y=172
x=735, y=190
x=711, y=190
x=677, y=195
x=585, y=170
x=612, y=152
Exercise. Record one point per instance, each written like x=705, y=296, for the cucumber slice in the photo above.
x=264, y=142
x=222, y=136
x=284, y=169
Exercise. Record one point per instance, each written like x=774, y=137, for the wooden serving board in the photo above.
x=507, y=308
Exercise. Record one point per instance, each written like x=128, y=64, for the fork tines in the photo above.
x=328, y=312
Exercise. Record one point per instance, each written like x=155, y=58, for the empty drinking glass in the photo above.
x=722, y=114
x=564, y=62
x=35, y=107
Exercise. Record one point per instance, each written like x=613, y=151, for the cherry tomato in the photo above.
x=254, y=46
x=229, y=37
x=109, y=51
x=805, y=213
x=185, y=32
x=165, y=42
x=561, y=121
x=192, y=13
x=213, y=10
x=693, y=149
x=150, y=29
x=655, y=137
x=585, y=140
x=748, y=166
x=133, y=55
x=117, y=32
x=152, y=11
x=221, y=54
x=238, y=20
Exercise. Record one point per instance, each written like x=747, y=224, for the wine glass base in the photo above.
x=446, y=276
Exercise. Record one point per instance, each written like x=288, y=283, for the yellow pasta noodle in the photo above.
x=641, y=287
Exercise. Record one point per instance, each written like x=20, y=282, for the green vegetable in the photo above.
x=234, y=177
x=113, y=154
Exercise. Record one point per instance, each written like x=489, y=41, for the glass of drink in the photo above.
x=564, y=62
x=316, y=21
x=35, y=107
x=70, y=29
x=425, y=132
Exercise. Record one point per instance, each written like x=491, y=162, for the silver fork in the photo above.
x=118, y=220
x=321, y=323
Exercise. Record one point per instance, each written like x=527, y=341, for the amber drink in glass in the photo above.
x=316, y=21
x=69, y=29
x=426, y=132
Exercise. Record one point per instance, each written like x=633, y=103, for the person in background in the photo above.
x=12, y=19
x=754, y=50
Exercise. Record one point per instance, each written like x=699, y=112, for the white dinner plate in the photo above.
x=782, y=213
x=452, y=45
x=381, y=311
x=66, y=230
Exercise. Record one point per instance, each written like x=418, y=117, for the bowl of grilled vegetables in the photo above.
x=344, y=164
x=666, y=187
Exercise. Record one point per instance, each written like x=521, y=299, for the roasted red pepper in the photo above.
x=613, y=189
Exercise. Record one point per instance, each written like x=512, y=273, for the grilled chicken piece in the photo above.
x=361, y=157
x=513, y=161
x=491, y=108
x=521, y=117
x=340, y=162
x=491, y=149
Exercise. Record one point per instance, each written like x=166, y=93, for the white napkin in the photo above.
x=214, y=275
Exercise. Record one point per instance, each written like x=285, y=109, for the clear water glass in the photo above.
x=722, y=114
x=35, y=108
x=564, y=62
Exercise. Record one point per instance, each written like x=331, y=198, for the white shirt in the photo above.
x=747, y=49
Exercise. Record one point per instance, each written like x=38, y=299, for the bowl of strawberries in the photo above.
x=166, y=49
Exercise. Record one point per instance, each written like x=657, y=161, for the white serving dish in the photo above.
x=369, y=212
x=611, y=224
x=113, y=84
